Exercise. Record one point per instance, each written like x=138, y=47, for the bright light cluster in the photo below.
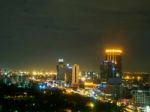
x=113, y=51
x=43, y=73
x=60, y=60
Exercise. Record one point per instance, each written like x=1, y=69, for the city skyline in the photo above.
x=34, y=34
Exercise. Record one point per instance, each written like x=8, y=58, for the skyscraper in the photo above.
x=68, y=74
x=111, y=66
x=111, y=71
x=60, y=70
x=75, y=75
x=115, y=55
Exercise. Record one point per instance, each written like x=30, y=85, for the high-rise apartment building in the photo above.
x=61, y=70
x=68, y=74
x=75, y=75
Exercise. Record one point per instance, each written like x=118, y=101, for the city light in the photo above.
x=86, y=83
x=72, y=56
x=83, y=79
x=113, y=51
x=90, y=104
x=34, y=73
x=60, y=60
x=147, y=108
x=138, y=78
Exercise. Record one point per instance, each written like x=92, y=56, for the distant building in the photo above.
x=75, y=75
x=61, y=70
x=141, y=97
x=136, y=78
x=90, y=76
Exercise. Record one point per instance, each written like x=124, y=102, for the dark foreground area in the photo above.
x=14, y=99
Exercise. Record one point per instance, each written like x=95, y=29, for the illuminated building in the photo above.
x=89, y=85
x=106, y=69
x=61, y=70
x=111, y=71
x=75, y=75
x=136, y=77
x=64, y=71
x=90, y=76
x=115, y=55
x=141, y=97
x=68, y=74
x=111, y=66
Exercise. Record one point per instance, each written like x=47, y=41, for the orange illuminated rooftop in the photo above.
x=113, y=51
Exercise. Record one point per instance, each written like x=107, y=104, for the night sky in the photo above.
x=35, y=33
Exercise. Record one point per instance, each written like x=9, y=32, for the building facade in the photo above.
x=141, y=97
x=111, y=66
x=68, y=74
x=60, y=70
x=75, y=75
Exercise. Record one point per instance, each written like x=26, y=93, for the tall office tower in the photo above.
x=111, y=71
x=75, y=75
x=68, y=74
x=60, y=70
x=106, y=70
x=115, y=55
x=111, y=66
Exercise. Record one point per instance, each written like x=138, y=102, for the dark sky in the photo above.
x=35, y=33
